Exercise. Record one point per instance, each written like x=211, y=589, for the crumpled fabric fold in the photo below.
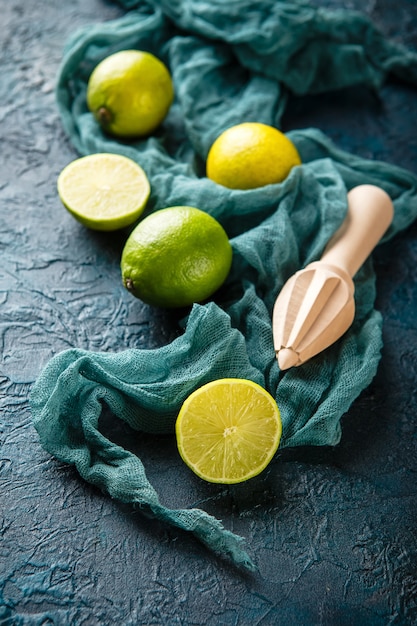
x=231, y=62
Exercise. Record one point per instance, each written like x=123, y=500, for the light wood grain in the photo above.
x=316, y=306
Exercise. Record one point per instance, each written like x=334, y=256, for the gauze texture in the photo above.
x=231, y=62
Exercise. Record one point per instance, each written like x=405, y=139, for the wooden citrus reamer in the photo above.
x=316, y=305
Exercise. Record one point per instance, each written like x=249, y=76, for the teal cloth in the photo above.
x=231, y=62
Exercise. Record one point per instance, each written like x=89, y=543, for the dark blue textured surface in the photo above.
x=333, y=531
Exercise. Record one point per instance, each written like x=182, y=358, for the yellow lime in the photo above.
x=228, y=430
x=176, y=256
x=251, y=155
x=130, y=93
x=104, y=191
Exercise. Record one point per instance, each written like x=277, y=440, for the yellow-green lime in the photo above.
x=104, y=191
x=130, y=93
x=175, y=257
x=228, y=430
x=251, y=155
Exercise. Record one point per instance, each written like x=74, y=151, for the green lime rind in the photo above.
x=175, y=257
x=130, y=93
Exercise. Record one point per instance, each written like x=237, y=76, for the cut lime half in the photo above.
x=228, y=430
x=104, y=191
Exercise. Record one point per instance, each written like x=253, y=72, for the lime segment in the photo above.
x=104, y=191
x=228, y=430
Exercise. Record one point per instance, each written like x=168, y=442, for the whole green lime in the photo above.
x=130, y=93
x=175, y=257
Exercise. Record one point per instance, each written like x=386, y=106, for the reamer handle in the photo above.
x=370, y=212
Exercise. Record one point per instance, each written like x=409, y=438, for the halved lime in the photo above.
x=104, y=191
x=228, y=430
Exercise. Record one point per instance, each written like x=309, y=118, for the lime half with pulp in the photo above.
x=104, y=191
x=228, y=430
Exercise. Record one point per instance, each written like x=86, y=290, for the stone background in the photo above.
x=333, y=531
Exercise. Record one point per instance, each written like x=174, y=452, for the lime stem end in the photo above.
x=104, y=116
x=129, y=284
